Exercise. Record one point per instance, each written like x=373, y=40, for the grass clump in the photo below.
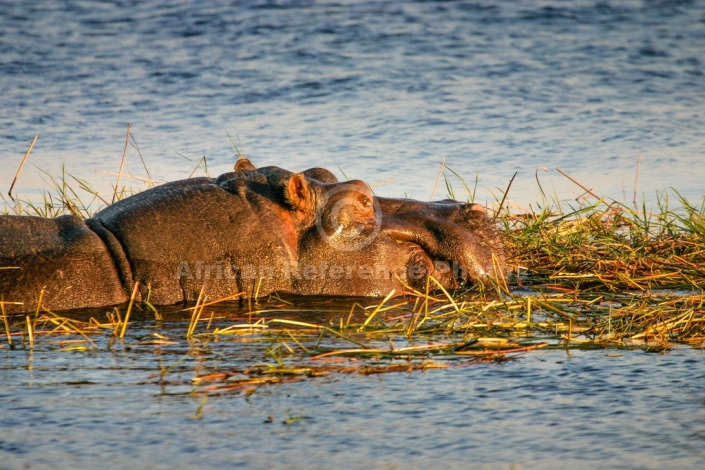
x=621, y=274
x=610, y=247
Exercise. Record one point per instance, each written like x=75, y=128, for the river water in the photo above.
x=550, y=408
x=382, y=91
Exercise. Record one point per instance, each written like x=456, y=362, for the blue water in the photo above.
x=381, y=91
x=612, y=409
x=548, y=410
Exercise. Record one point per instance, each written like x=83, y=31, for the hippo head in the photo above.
x=353, y=243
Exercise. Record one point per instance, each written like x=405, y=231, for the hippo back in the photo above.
x=63, y=257
x=202, y=233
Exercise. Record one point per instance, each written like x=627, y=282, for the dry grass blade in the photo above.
x=135, y=290
x=438, y=178
x=319, y=327
x=7, y=324
x=377, y=309
x=122, y=163
x=30, y=332
x=19, y=170
x=197, y=312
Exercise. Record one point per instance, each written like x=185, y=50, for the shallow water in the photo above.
x=382, y=91
x=544, y=409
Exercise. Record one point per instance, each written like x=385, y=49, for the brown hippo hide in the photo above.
x=63, y=257
x=231, y=237
x=255, y=231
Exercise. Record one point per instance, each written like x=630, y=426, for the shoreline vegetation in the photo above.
x=588, y=273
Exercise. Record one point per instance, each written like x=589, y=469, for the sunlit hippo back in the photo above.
x=249, y=232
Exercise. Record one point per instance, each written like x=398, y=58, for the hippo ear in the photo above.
x=477, y=208
x=297, y=193
x=321, y=174
x=244, y=164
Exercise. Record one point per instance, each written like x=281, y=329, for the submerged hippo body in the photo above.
x=255, y=231
x=62, y=255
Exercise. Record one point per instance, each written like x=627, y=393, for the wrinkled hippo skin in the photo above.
x=61, y=255
x=253, y=230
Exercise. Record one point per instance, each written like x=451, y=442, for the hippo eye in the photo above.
x=364, y=201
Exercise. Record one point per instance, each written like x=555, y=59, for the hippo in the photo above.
x=253, y=231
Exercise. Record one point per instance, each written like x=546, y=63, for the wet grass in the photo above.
x=621, y=275
x=587, y=273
